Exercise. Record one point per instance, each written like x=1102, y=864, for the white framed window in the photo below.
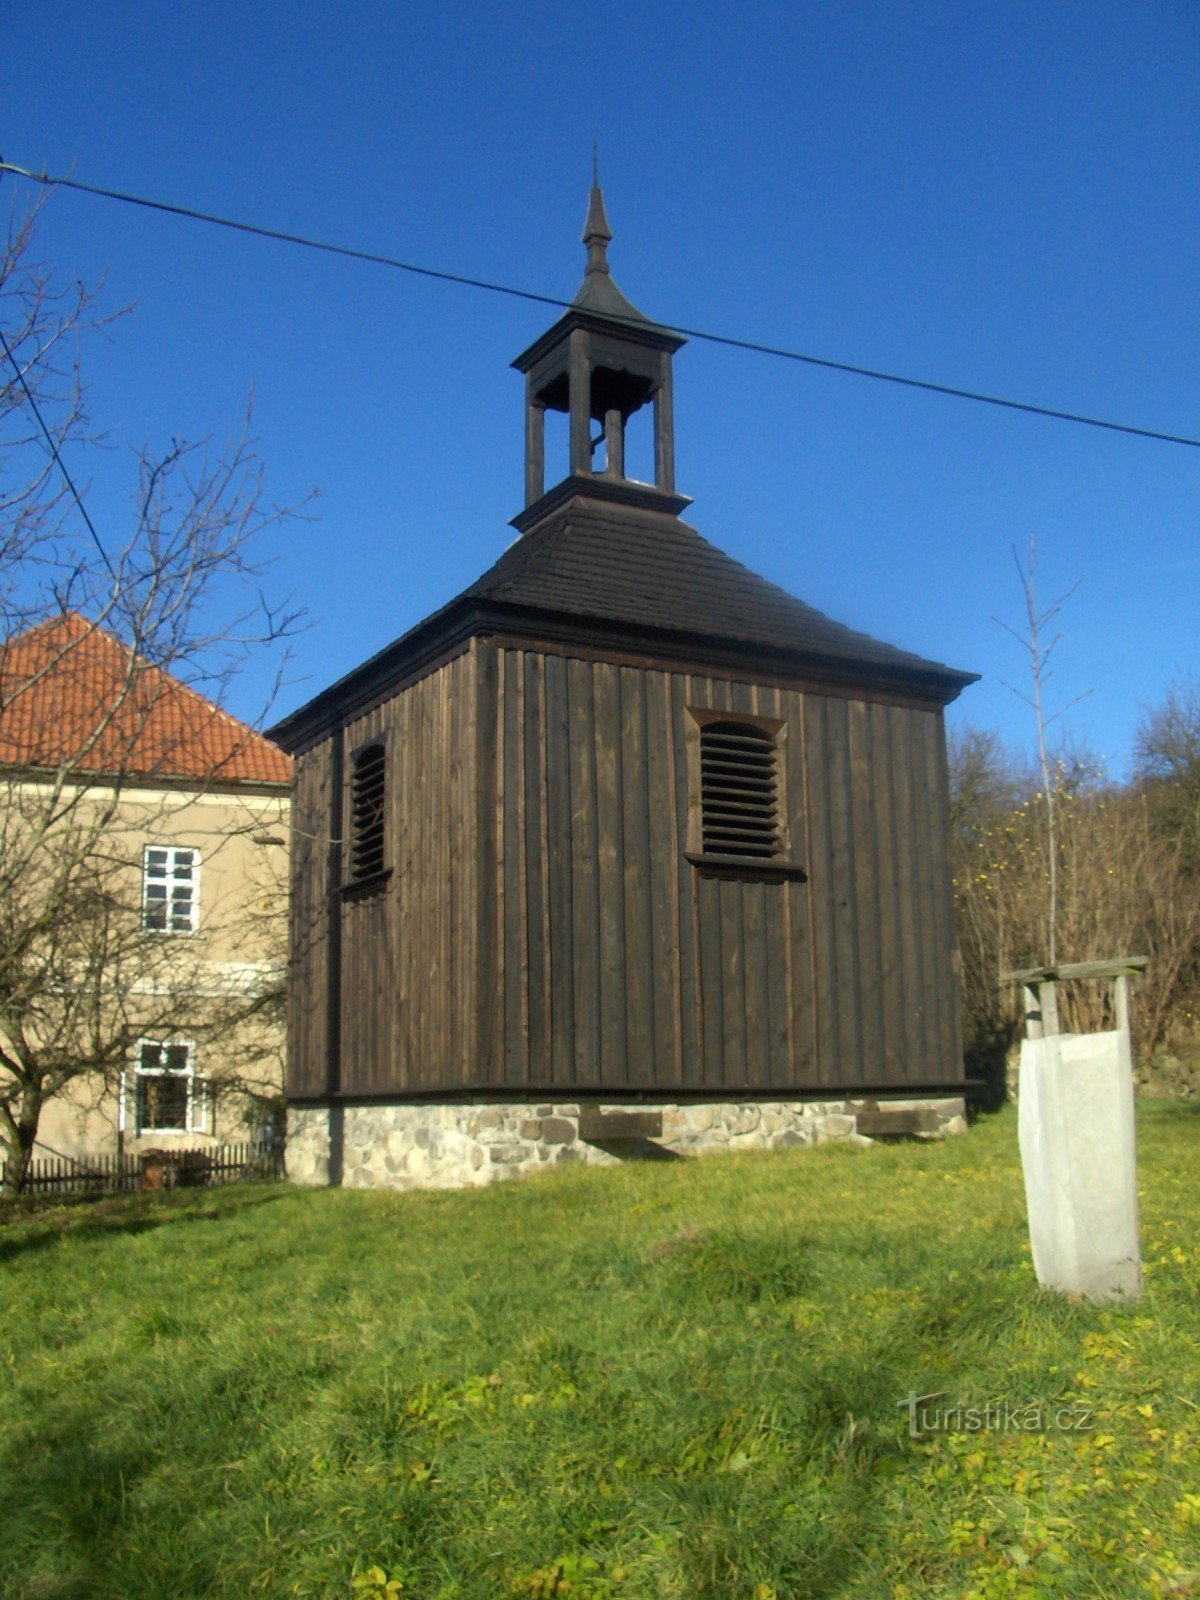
x=170, y=889
x=169, y=1095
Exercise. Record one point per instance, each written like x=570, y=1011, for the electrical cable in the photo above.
x=54, y=451
x=751, y=345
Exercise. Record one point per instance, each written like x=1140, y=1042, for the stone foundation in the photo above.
x=461, y=1145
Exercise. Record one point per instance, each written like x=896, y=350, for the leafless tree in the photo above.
x=182, y=588
x=1039, y=649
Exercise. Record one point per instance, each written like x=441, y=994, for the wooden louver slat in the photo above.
x=368, y=784
x=739, y=791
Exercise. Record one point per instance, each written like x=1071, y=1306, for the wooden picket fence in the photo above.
x=172, y=1169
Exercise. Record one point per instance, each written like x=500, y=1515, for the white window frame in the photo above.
x=168, y=877
x=200, y=1113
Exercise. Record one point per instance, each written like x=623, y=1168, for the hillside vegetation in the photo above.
x=672, y=1379
x=1127, y=882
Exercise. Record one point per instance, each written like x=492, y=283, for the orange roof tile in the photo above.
x=70, y=693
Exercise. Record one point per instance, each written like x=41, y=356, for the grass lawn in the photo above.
x=661, y=1380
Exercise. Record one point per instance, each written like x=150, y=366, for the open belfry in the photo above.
x=624, y=847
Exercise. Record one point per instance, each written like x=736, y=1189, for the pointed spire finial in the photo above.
x=596, y=231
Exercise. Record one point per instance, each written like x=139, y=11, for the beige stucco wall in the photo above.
x=238, y=948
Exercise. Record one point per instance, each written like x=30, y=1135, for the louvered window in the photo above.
x=739, y=791
x=368, y=784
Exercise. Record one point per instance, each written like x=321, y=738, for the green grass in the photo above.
x=667, y=1379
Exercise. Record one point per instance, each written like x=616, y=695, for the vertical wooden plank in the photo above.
x=709, y=694
x=399, y=802
x=847, y=993
x=585, y=895
x=610, y=876
x=760, y=901
x=641, y=952
x=464, y=868
x=310, y=934
x=487, y=866
x=513, y=954
x=536, y=856
x=520, y=888
x=911, y=933
x=864, y=780
x=659, y=784
x=891, y=965
x=946, y=975
x=687, y=1025
x=503, y=869
x=424, y=866
x=731, y=894
x=448, y=783
x=805, y=1064
x=932, y=906
x=560, y=875
x=824, y=890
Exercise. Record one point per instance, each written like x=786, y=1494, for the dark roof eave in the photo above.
x=922, y=679
x=467, y=617
x=654, y=335
x=454, y=623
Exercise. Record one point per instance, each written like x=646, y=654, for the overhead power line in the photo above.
x=55, y=452
x=465, y=281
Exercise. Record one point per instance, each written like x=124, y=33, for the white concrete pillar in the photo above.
x=1076, y=1135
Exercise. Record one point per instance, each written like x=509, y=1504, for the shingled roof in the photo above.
x=642, y=580
x=657, y=572
x=71, y=693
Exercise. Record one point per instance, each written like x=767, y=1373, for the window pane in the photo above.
x=163, y=1101
x=169, y=889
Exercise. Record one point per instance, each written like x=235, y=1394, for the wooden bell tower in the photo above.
x=600, y=362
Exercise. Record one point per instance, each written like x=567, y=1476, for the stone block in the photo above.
x=557, y=1130
x=530, y=1128
x=745, y=1119
x=794, y=1138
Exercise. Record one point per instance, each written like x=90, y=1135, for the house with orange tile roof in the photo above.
x=143, y=845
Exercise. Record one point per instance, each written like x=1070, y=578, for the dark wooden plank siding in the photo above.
x=543, y=928
x=620, y=965
x=888, y=918
x=559, y=924
x=408, y=950
x=638, y=894
x=308, y=974
x=864, y=866
x=822, y=891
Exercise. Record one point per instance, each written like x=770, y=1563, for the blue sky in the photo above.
x=1002, y=197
